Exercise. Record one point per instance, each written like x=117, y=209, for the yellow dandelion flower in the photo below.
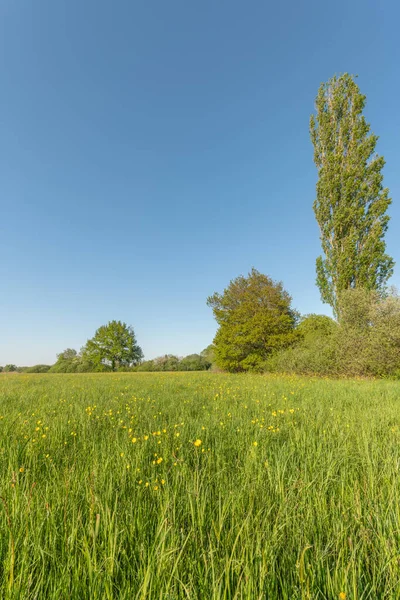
x=197, y=443
x=134, y=440
x=21, y=469
x=255, y=443
x=342, y=596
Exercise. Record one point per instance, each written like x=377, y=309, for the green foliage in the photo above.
x=67, y=362
x=146, y=365
x=366, y=342
x=315, y=350
x=169, y=362
x=351, y=202
x=209, y=354
x=369, y=336
x=255, y=318
x=10, y=368
x=313, y=326
x=38, y=369
x=194, y=362
x=70, y=361
x=113, y=345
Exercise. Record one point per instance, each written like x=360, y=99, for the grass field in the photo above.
x=198, y=486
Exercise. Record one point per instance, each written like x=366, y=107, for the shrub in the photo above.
x=38, y=369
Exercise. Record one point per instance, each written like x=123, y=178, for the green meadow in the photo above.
x=198, y=486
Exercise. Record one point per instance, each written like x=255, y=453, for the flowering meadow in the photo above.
x=198, y=486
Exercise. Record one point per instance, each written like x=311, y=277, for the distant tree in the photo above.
x=113, y=345
x=351, y=202
x=208, y=354
x=67, y=362
x=1, y=369
x=68, y=354
x=147, y=365
x=194, y=362
x=168, y=362
x=10, y=368
x=255, y=317
x=38, y=369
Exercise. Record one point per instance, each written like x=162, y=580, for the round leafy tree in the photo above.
x=255, y=318
x=113, y=345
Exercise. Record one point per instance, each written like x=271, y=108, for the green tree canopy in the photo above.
x=114, y=345
x=69, y=361
x=38, y=369
x=255, y=318
x=194, y=362
x=208, y=354
x=351, y=201
x=313, y=325
x=168, y=362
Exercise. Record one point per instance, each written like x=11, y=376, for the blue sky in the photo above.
x=152, y=151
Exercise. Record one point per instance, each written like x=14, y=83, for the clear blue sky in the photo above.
x=152, y=151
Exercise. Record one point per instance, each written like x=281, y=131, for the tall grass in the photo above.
x=293, y=492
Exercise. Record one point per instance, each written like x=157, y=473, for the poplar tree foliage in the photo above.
x=113, y=344
x=255, y=318
x=351, y=201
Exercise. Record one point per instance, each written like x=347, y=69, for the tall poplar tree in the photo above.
x=351, y=201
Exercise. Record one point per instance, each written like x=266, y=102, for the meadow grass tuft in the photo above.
x=198, y=486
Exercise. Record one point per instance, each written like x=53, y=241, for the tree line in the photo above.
x=258, y=328
x=114, y=348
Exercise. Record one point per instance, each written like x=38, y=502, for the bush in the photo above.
x=366, y=342
x=311, y=356
x=369, y=335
